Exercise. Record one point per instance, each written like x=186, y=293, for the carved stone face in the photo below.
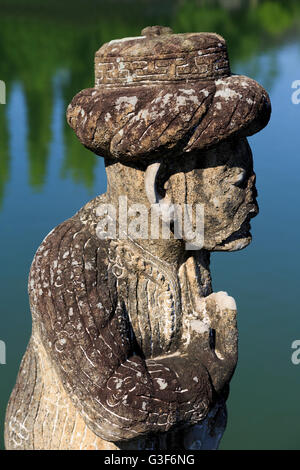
x=187, y=135
x=222, y=179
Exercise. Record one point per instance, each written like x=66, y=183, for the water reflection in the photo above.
x=50, y=52
x=46, y=56
x=4, y=154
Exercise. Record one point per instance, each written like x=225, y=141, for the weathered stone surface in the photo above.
x=130, y=347
x=163, y=94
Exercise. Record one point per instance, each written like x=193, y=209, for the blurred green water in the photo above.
x=46, y=56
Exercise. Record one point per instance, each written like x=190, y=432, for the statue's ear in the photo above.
x=150, y=182
x=163, y=204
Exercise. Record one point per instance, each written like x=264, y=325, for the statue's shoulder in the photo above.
x=88, y=213
x=68, y=234
x=70, y=270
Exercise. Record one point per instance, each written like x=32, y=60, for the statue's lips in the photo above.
x=242, y=237
x=253, y=210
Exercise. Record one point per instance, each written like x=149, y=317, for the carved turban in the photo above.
x=163, y=92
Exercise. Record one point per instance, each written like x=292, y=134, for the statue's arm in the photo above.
x=88, y=338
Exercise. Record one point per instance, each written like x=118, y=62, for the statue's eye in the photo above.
x=239, y=178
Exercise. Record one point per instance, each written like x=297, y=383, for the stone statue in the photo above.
x=130, y=348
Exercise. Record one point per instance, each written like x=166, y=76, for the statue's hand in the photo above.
x=214, y=337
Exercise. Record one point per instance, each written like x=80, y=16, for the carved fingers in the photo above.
x=214, y=337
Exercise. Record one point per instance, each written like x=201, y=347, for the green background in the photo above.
x=46, y=57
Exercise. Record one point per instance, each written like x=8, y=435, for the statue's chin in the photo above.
x=235, y=245
x=238, y=240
